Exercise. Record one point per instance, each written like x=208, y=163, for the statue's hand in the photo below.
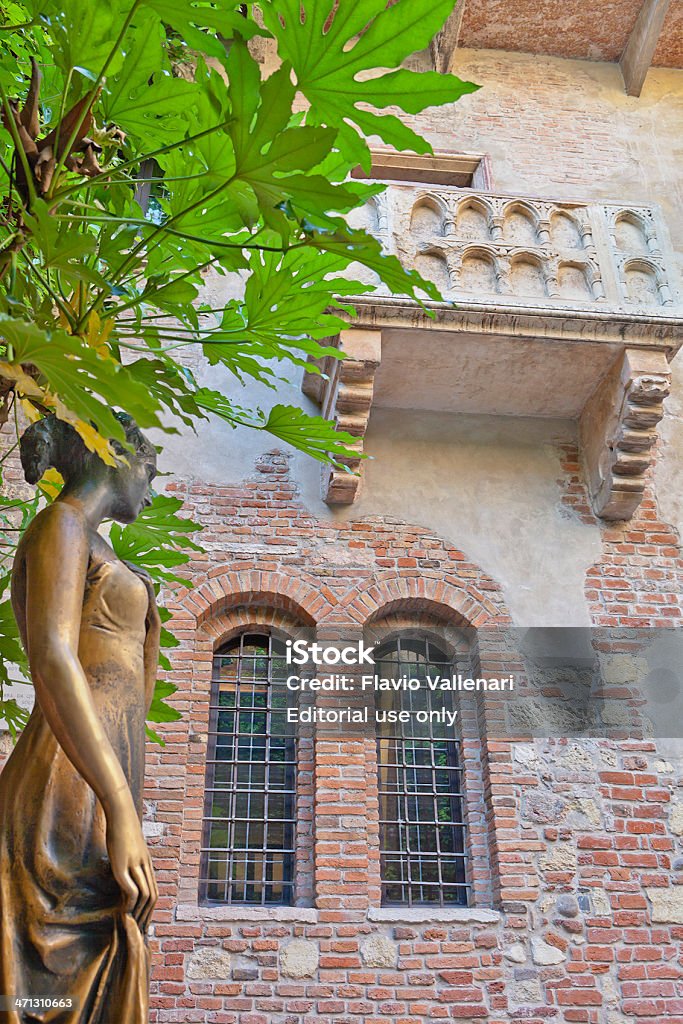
x=131, y=865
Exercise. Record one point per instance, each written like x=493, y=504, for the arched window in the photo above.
x=421, y=805
x=248, y=847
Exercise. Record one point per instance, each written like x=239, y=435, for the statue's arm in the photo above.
x=56, y=564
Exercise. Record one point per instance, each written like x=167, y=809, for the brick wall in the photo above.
x=578, y=913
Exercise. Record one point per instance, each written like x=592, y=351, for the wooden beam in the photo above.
x=640, y=48
x=445, y=43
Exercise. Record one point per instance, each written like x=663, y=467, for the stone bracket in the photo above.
x=618, y=431
x=344, y=392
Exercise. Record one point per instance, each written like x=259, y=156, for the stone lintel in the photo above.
x=344, y=392
x=618, y=431
x=640, y=48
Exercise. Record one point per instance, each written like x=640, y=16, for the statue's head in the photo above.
x=52, y=443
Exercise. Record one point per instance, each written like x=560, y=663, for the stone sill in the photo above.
x=296, y=915
x=433, y=915
x=309, y=915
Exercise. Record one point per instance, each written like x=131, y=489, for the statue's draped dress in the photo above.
x=63, y=930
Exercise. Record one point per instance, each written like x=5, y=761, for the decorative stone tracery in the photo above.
x=563, y=254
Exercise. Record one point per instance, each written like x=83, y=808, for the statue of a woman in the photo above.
x=77, y=886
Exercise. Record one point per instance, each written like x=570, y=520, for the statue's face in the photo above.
x=132, y=487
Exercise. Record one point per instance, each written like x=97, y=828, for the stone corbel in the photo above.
x=618, y=431
x=345, y=395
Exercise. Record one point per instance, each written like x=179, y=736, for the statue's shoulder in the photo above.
x=59, y=518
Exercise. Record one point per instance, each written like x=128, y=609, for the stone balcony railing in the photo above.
x=550, y=308
x=507, y=251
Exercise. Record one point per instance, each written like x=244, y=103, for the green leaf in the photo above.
x=328, y=55
x=152, y=113
x=88, y=385
x=58, y=240
x=313, y=435
x=273, y=161
x=235, y=415
x=358, y=246
x=14, y=716
x=189, y=18
x=11, y=649
x=160, y=711
x=286, y=304
x=83, y=32
x=144, y=59
x=172, y=386
x=157, y=541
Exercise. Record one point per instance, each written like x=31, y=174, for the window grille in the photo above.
x=248, y=847
x=421, y=804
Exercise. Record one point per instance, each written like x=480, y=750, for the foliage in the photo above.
x=249, y=178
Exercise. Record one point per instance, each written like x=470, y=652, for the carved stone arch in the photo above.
x=527, y=274
x=631, y=233
x=565, y=230
x=644, y=282
x=521, y=223
x=428, y=216
x=304, y=599
x=575, y=280
x=474, y=218
x=378, y=213
x=432, y=263
x=480, y=270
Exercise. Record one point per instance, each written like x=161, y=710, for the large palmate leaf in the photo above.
x=332, y=48
x=144, y=99
x=287, y=304
x=274, y=161
x=83, y=32
x=158, y=541
x=190, y=17
x=87, y=384
x=313, y=435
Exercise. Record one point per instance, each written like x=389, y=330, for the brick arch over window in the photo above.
x=306, y=600
x=216, y=628
x=439, y=610
x=439, y=599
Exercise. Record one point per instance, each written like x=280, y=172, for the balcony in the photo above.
x=551, y=308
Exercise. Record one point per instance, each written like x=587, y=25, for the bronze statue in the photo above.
x=77, y=887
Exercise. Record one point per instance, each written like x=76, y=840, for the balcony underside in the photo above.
x=609, y=374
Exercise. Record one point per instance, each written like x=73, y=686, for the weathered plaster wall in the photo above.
x=493, y=488
x=552, y=128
